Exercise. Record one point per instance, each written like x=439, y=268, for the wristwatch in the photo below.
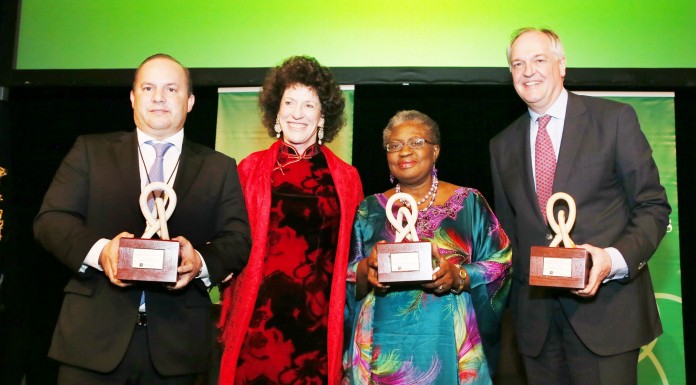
x=462, y=279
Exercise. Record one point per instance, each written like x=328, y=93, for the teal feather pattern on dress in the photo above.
x=409, y=336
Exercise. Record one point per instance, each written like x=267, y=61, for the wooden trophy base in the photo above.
x=559, y=267
x=150, y=260
x=404, y=262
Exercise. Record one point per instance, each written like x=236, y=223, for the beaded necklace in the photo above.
x=432, y=193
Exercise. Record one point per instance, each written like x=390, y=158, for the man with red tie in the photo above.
x=594, y=150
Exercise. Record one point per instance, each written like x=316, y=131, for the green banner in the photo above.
x=97, y=34
x=662, y=361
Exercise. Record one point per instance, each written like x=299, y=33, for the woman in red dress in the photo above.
x=282, y=317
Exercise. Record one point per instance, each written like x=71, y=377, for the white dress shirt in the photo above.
x=146, y=157
x=557, y=111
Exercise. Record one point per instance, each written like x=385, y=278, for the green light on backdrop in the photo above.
x=88, y=34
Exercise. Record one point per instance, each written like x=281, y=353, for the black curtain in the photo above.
x=468, y=117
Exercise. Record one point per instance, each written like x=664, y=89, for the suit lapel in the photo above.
x=189, y=165
x=522, y=157
x=125, y=151
x=573, y=132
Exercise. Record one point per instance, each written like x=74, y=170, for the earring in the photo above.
x=434, y=172
x=276, y=127
x=320, y=134
x=391, y=178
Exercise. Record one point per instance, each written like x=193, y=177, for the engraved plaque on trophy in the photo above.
x=145, y=259
x=404, y=262
x=561, y=267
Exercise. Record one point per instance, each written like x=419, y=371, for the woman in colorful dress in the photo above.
x=442, y=332
x=282, y=317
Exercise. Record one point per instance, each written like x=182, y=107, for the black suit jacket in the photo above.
x=94, y=195
x=605, y=163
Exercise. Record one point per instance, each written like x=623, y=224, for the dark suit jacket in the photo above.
x=94, y=195
x=605, y=163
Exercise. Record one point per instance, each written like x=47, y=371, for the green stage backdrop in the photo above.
x=239, y=133
x=98, y=34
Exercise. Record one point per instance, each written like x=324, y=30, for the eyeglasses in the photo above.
x=413, y=143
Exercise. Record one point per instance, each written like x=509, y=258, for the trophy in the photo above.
x=554, y=266
x=145, y=259
x=404, y=262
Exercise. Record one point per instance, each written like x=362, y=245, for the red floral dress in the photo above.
x=286, y=340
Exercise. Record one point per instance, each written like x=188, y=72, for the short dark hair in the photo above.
x=306, y=71
x=412, y=116
x=169, y=57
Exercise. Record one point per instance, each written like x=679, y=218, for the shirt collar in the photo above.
x=177, y=139
x=557, y=109
x=288, y=151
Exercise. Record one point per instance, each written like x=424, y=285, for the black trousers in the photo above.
x=135, y=369
x=565, y=360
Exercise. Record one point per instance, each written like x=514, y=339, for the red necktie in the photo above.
x=544, y=164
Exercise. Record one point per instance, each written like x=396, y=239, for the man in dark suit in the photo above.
x=603, y=160
x=106, y=332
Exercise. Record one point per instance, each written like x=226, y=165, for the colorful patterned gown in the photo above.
x=409, y=337
x=286, y=340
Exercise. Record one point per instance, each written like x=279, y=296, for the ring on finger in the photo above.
x=439, y=287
